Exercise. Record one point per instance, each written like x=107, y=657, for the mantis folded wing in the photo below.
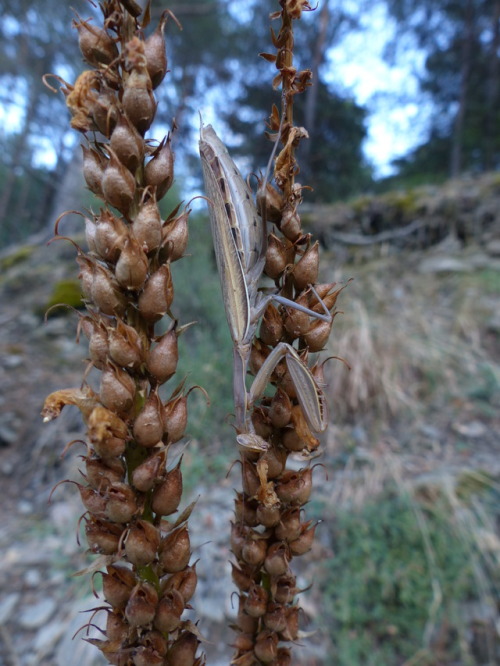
x=240, y=239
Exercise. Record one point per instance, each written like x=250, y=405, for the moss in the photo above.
x=65, y=291
x=18, y=257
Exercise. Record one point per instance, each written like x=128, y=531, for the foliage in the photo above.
x=68, y=292
x=382, y=585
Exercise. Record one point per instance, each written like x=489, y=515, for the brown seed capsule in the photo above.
x=93, y=500
x=98, y=343
x=154, y=640
x=162, y=358
x=107, y=432
x=184, y=582
x=155, y=52
x=277, y=558
x=105, y=112
x=304, y=542
x=280, y=411
x=169, y=611
x=317, y=335
x=86, y=275
x=148, y=425
x=276, y=257
x=275, y=458
x=286, y=589
x=118, y=184
x=144, y=656
x=167, y=495
x=157, y=296
x=127, y=144
x=272, y=200
x=159, y=171
x=244, y=511
x=271, y=328
x=238, y=536
x=142, y=542
x=100, y=472
x=258, y=355
x=110, y=235
x=175, y=550
x=145, y=474
x=255, y=603
x=291, y=631
x=97, y=47
x=290, y=526
x=284, y=657
x=242, y=577
x=117, y=585
x=175, y=237
x=102, y=536
x=132, y=267
x=175, y=418
x=266, y=646
x=305, y=271
x=251, y=481
x=183, y=650
x=275, y=618
x=117, y=389
x=246, y=623
x=290, y=223
x=106, y=293
x=261, y=423
x=117, y=628
x=94, y=165
x=138, y=100
x=147, y=225
x=141, y=606
x=243, y=642
x=292, y=441
x=295, y=487
x=125, y=346
x=121, y=503
x=254, y=550
x=268, y=516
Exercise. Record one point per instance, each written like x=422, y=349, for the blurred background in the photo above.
x=402, y=161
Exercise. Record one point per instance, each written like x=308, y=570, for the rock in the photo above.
x=7, y=605
x=443, y=265
x=37, y=615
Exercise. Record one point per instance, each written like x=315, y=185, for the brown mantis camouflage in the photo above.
x=240, y=238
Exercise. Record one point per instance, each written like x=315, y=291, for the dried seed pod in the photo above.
x=238, y=536
x=98, y=343
x=275, y=458
x=105, y=429
x=141, y=605
x=94, y=501
x=127, y=144
x=304, y=542
x=246, y=623
x=295, y=487
x=138, y=100
x=284, y=657
x=159, y=171
x=305, y=271
x=103, y=536
x=255, y=603
x=132, y=267
x=291, y=631
x=162, y=359
x=175, y=551
x=317, y=335
x=280, y=411
x=175, y=237
x=142, y=542
x=106, y=293
x=145, y=474
x=268, y=516
x=117, y=629
x=261, y=422
x=121, y=503
x=175, y=418
x=169, y=611
x=242, y=577
x=146, y=656
x=117, y=584
x=117, y=389
x=290, y=526
x=154, y=640
x=251, y=482
x=254, y=549
x=148, y=426
x=147, y=225
x=118, y=184
x=156, y=54
x=105, y=111
x=277, y=558
x=275, y=618
x=99, y=472
x=94, y=165
x=290, y=224
x=157, y=296
x=271, y=327
x=183, y=650
x=167, y=495
x=243, y=642
x=110, y=235
x=266, y=646
x=286, y=589
x=271, y=201
x=276, y=257
x=297, y=322
x=86, y=275
x=184, y=582
x=97, y=47
x=244, y=511
x=125, y=346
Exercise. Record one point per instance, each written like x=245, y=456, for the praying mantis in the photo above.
x=240, y=238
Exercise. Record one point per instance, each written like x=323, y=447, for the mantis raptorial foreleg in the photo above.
x=240, y=237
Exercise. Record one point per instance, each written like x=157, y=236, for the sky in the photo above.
x=395, y=124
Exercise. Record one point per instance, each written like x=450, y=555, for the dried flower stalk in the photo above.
x=269, y=528
x=131, y=493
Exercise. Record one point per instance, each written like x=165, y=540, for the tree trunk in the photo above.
x=492, y=91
